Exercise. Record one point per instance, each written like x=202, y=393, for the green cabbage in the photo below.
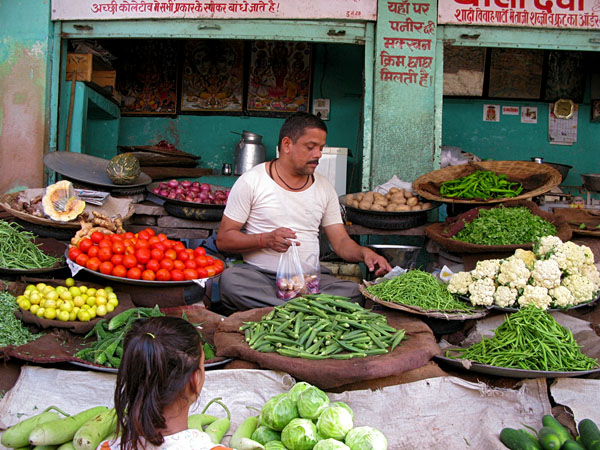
x=278, y=411
x=366, y=438
x=312, y=402
x=299, y=434
x=298, y=388
x=345, y=406
x=275, y=445
x=265, y=434
x=330, y=444
x=334, y=422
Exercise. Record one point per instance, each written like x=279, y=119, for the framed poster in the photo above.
x=516, y=73
x=595, y=111
x=279, y=79
x=148, y=77
x=212, y=76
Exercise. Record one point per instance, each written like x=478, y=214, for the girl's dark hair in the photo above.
x=294, y=125
x=160, y=357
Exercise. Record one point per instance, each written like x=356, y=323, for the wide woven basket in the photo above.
x=535, y=178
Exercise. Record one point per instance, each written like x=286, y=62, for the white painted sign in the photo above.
x=214, y=9
x=564, y=14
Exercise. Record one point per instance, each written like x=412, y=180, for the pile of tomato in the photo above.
x=144, y=256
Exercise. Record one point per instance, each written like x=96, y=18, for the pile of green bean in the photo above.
x=18, y=251
x=420, y=289
x=12, y=330
x=320, y=326
x=483, y=184
x=530, y=339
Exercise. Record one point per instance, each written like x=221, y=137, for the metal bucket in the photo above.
x=591, y=181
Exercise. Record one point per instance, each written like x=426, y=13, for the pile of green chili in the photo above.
x=418, y=288
x=505, y=226
x=18, y=251
x=530, y=339
x=483, y=184
x=12, y=330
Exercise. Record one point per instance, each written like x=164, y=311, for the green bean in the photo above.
x=18, y=250
x=421, y=289
x=529, y=339
x=483, y=184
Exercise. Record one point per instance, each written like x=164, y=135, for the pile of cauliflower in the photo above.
x=555, y=274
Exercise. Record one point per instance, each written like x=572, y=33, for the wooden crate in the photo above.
x=104, y=78
x=89, y=68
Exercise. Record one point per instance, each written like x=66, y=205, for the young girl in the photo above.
x=160, y=377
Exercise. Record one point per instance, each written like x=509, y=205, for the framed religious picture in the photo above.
x=212, y=76
x=595, y=110
x=147, y=77
x=279, y=79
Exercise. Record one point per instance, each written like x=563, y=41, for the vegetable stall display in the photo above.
x=481, y=184
x=320, y=326
x=555, y=274
x=19, y=251
x=529, y=339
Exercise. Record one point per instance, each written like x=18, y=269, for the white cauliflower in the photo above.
x=546, y=246
x=562, y=297
x=535, y=295
x=570, y=257
x=513, y=273
x=589, y=254
x=546, y=273
x=481, y=292
x=581, y=287
x=505, y=296
x=487, y=268
x=527, y=256
x=590, y=271
x=459, y=283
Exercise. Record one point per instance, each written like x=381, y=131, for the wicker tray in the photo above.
x=536, y=179
x=435, y=232
x=436, y=314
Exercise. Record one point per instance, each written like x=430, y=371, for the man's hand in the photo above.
x=279, y=239
x=372, y=260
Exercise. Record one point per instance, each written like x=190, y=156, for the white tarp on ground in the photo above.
x=437, y=413
x=582, y=396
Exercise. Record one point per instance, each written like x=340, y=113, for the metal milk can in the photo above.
x=249, y=152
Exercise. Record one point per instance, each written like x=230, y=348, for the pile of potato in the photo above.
x=394, y=201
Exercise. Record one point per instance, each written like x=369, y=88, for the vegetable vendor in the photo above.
x=278, y=202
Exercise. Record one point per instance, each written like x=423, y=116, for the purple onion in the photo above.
x=156, y=190
x=173, y=183
x=186, y=184
x=196, y=184
x=172, y=195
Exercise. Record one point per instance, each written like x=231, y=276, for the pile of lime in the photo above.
x=67, y=302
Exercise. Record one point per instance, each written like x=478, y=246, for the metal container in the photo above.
x=404, y=256
x=562, y=168
x=249, y=152
x=591, y=181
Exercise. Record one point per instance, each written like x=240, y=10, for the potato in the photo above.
x=398, y=198
x=365, y=204
x=359, y=196
x=408, y=193
x=388, y=196
x=377, y=195
x=402, y=208
x=383, y=201
x=415, y=208
x=377, y=207
x=412, y=201
x=355, y=204
x=349, y=199
x=391, y=207
x=426, y=205
x=393, y=190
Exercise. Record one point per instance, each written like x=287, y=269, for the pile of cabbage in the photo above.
x=305, y=419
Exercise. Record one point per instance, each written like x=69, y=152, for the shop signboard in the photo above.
x=558, y=14
x=214, y=9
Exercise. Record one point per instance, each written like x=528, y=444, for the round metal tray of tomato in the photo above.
x=145, y=257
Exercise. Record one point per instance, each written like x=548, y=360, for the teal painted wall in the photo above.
x=337, y=75
x=25, y=38
x=510, y=139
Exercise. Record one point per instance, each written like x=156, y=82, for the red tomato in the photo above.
x=106, y=268
x=182, y=255
x=159, y=246
x=135, y=273
x=118, y=247
x=201, y=261
x=96, y=236
x=177, y=275
x=104, y=254
x=116, y=237
x=105, y=243
x=157, y=254
x=142, y=243
x=129, y=261
x=209, y=260
x=116, y=259
x=168, y=243
x=167, y=263
x=93, y=251
x=93, y=264
x=143, y=235
x=190, y=274
x=153, y=265
x=143, y=255
x=163, y=275
x=191, y=264
x=161, y=237
x=119, y=271
x=178, y=246
x=211, y=271
x=150, y=231
x=199, y=251
x=179, y=265
x=82, y=259
x=85, y=244
x=141, y=266
x=130, y=250
x=74, y=252
x=171, y=254
x=153, y=240
x=218, y=269
x=129, y=235
x=202, y=272
x=148, y=275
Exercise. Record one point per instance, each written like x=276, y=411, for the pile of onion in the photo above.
x=191, y=191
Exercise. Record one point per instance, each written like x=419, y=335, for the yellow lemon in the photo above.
x=21, y=298
x=83, y=316
x=91, y=291
x=101, y=301
x=66, y=306
x=101, y=310
x=40, y=312
x=92, y=313
x=52, y=295
x=25, y=304
x=34, y=309
x=60, y=289
x=47, y=289
x=75, y=291
x=70, y=282
x=91, y=301
x=111, y=295
x=66, y=295
x=101, y=293
x=29, y=287
x=63, y=316
x=27, y=293
x=49, y=304
x=109, y=289
x=83, y=289
x=110, y=307
x=50, y=313
x=79, y=301
x=85, y=307
x=72, y=316
x=114, y=302
x=35, y=298
x=40, y=286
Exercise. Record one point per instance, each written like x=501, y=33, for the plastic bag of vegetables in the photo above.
x=294, y=279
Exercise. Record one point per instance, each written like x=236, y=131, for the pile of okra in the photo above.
x=321, y=326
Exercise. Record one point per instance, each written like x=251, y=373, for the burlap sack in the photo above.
x=330, y=373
